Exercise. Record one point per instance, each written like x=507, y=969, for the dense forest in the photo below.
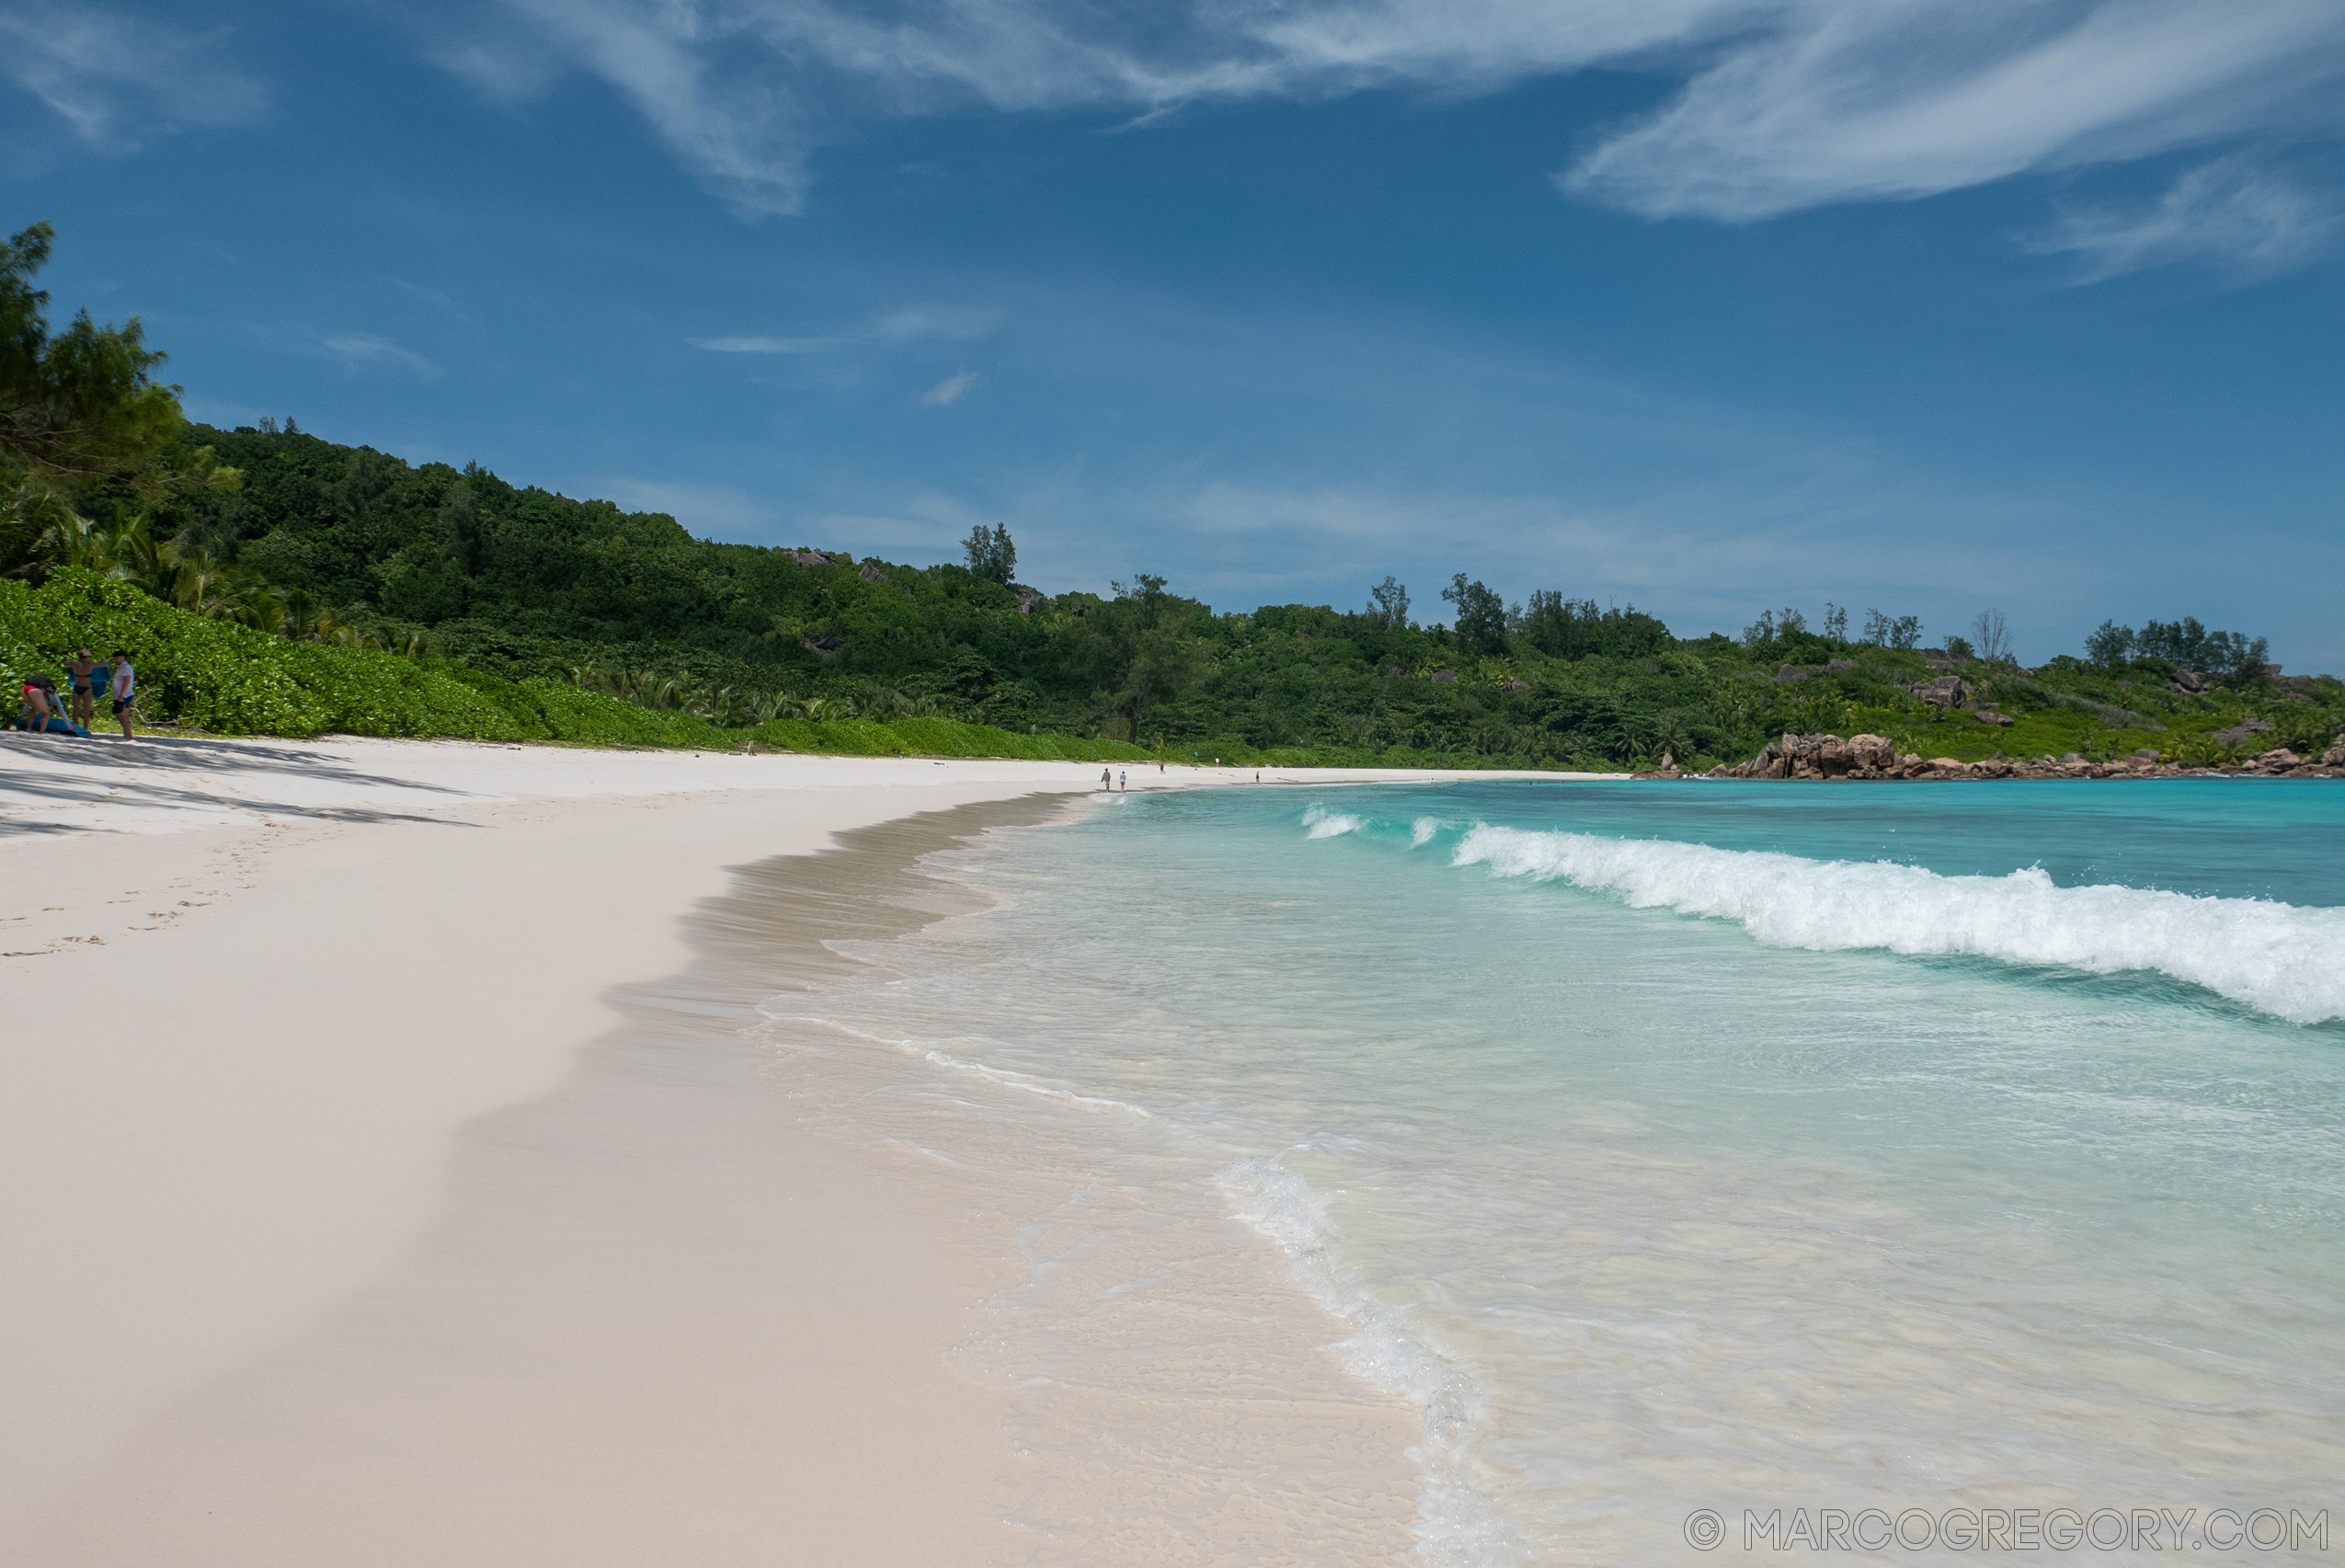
x=277, y=529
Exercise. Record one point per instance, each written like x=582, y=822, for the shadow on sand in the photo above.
x=73, y=771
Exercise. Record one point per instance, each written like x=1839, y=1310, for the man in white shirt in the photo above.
x=125, y=686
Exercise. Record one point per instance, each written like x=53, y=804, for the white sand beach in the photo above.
x=388, y=1182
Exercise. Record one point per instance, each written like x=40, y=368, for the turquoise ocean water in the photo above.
x=1714, y=1145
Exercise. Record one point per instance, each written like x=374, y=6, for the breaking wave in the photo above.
x=2278, y=958
x=1325, y=824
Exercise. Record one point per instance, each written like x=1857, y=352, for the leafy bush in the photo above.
x=935, y=738
x=230, y=680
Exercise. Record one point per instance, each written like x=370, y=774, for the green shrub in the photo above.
x=935, y=738
x=230, y=680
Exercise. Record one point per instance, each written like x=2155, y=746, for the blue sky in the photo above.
x=1703, y=304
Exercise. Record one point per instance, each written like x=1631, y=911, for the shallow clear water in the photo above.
x=1737, y=1146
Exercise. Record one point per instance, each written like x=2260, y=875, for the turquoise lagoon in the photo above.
x=1705, y=1146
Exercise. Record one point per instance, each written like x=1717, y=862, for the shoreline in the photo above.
x=246, y=1058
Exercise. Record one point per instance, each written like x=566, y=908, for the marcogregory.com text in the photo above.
x=2011, y=1530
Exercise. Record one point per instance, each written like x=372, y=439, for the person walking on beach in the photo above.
x=124, y=684
x=1105, y=781
x=84, y=671
x=1124, y=783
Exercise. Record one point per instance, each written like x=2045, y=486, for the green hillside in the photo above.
x=271, y=582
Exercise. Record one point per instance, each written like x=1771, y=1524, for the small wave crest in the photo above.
x=2278, y=958
x=1326, y=824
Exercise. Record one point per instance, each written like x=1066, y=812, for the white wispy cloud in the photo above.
x=115, y=78
x=1850, y=101
x=949, y=391
x=355, y=348
x=728, y=108
x=2254, y=222
x=754, y=345
x=1786, y=103
x=911, y=324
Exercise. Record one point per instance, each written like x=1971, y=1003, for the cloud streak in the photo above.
x=2253, y=222
x=912, y=324
x=356, y=348
x=1858, y=102
x=1785, y=104
x=115, y=79
x=767, y=345
x=949, y=391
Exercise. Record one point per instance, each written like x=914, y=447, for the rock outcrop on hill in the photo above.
x=1874, y=756
x=1821, y=757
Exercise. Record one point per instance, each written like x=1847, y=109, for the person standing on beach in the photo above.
x=1106, y=780
x=84, y=671
x=125, y=687
x=1124, y=783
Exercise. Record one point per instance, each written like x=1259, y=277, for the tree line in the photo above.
x=271, y=526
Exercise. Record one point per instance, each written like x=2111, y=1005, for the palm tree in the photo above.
x=782, y=705
x=302, y=613
x=262, y=607
x=1669, y=735
x=205, y=587
x=130, y=550
x=408, y=644
x=69, y=539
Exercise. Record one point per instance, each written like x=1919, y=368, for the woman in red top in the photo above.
x=39, y=702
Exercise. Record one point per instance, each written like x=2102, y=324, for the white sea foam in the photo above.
x=2280, y=958
x=1326, y=824
x=1020, y=1080
x=1422, y=830
x=1459, y=1528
